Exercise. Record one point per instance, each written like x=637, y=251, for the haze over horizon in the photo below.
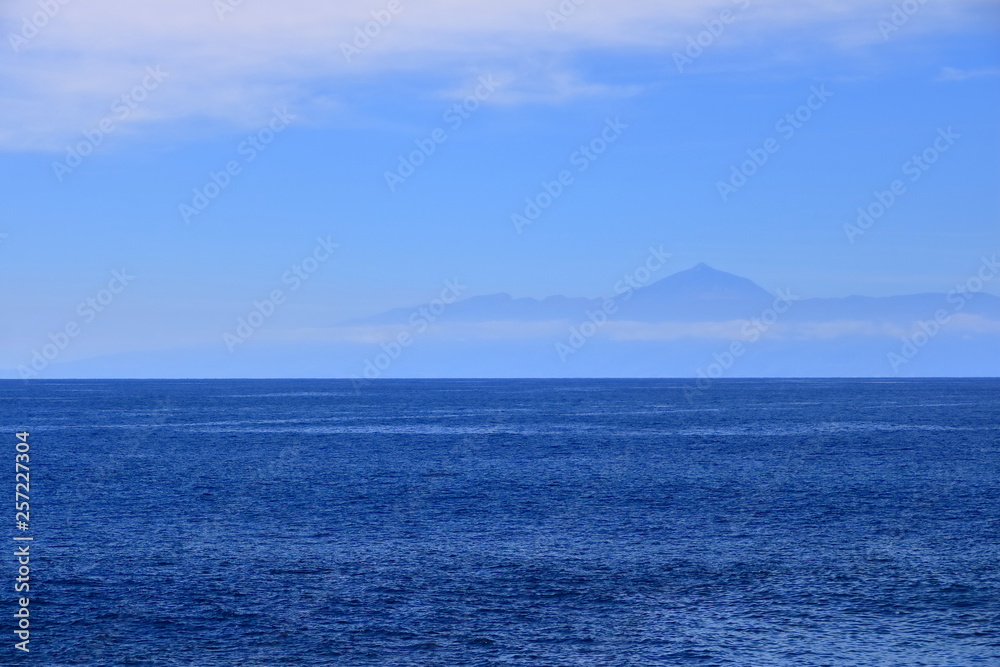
x=173, y=169
x=699, y=322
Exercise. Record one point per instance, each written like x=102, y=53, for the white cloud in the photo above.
x=747, y=330
x=453, y=331
x=625, y=331
x=956, y=74
x=234, y=70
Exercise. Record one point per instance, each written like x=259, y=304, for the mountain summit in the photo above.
x=704, y=282
x=699, y=293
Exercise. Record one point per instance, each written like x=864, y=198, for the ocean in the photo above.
x=507, y=522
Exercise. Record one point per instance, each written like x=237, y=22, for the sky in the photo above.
x=178, y=162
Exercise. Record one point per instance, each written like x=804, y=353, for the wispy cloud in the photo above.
x=747, y=330
x=452, y=331
x=628, y=331
x=61, y=74
x=956, y=74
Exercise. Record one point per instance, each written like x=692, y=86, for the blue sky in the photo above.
x=220, y=79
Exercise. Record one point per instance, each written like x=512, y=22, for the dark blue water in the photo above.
x=509, y=523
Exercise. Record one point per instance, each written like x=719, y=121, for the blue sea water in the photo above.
x=486, y=522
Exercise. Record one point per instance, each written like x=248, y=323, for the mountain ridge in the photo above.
x=700, y=293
